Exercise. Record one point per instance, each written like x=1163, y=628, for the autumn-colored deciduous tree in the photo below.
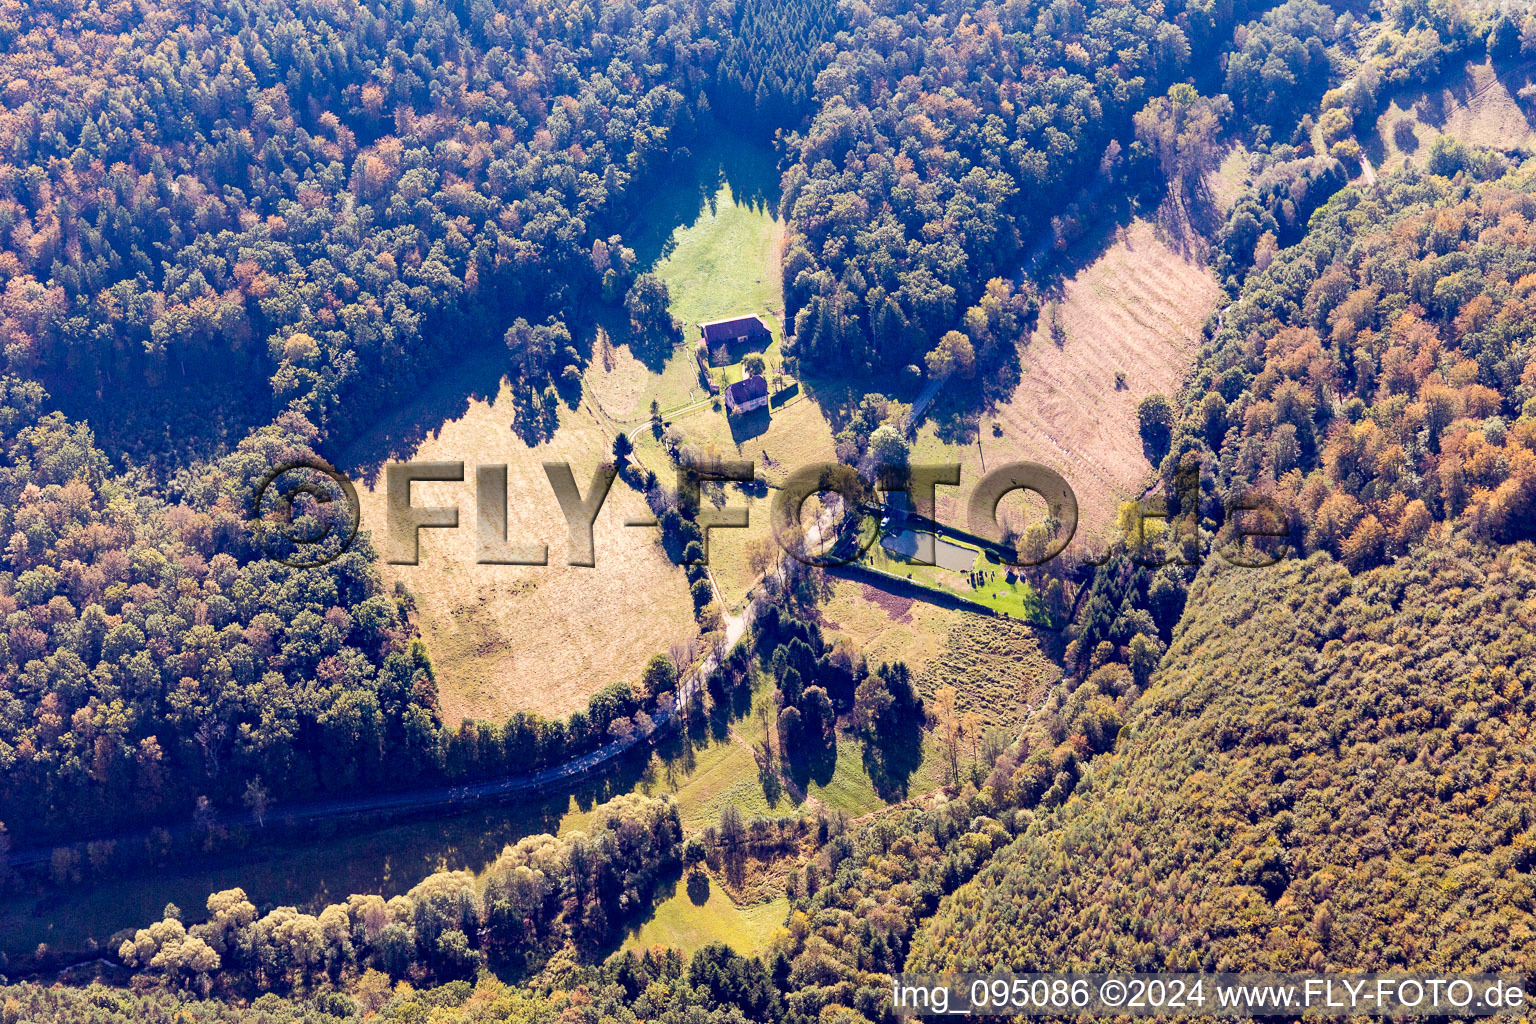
x=1181, y=129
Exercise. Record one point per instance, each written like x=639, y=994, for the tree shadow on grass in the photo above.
x=773, y=786
x=698, y=888
x=402, y=426
x=891, y=757
x=720, y=156
x=726, y=708
x=811, y=762
x=957, y=410
x=1374, y=146
x=613, y=320
x=665, y=889
x=750, y=167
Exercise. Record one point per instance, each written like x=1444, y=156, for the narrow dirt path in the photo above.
x=1366, y=170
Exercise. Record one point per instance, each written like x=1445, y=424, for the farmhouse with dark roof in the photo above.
x=747, y=395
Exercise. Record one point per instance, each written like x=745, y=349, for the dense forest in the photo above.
x=1374, y=378
x=1330, y=771
x=161, y=667
x=326, y=197
x=332, y=202
x=1325, y=736
x=946, y=138
x=232, y=234
x=154, y=656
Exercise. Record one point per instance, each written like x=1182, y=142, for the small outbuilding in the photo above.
x=719, y=337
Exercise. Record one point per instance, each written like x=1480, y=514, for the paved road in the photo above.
x=924, y=397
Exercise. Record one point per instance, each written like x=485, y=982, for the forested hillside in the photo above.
x=1374, y=379
x=334, y=197
x=945, y=140
x=153, y=654
x=1330, y=771
x=1369, y=381
x=1328, y=768
x=159, y=666
x=234, y=234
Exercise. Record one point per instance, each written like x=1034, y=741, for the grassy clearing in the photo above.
x=778, y=440
x=703, y=780
x=1136, y=309
x=1231, y=178
x=679, y=923
x=731, y=551
x=724, y=772
x=888, y=627
x=987, y=582
x=714, y=236
x=996, y=667
x=849, y=789
x=724, y=262
x=1476, y=103
x=846, y=787
x=540, y=638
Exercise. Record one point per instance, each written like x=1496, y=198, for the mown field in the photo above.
x=1135, y=309
x=539, y=638
x=679, y=923
x=1476, y=103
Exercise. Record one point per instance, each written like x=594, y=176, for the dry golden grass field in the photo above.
x=888, y=627
x=778, y=442
x=996, y=665
x=540, y=638
x=737, y=557
x=1475, y=103
x=620, y=385
x=1136, y=309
